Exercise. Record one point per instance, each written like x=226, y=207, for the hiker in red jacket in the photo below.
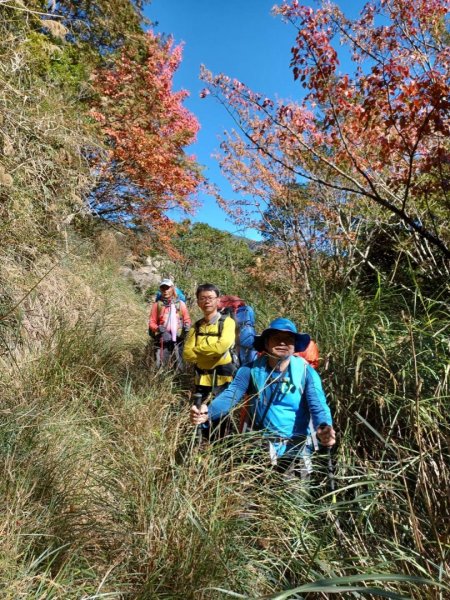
x=168, y=324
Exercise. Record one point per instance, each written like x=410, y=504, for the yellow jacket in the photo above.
x=208, y=351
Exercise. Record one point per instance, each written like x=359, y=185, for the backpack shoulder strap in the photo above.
x=160, y=307
x=219, y=327
x=197, y=326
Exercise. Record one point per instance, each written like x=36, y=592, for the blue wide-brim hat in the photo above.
x=281, y=324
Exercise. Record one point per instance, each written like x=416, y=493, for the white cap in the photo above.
x=167, y=282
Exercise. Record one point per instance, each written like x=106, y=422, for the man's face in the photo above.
x=280, y=344
x=207, y=301
x=166, y=291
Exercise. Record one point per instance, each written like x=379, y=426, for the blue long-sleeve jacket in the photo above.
x=283, y=408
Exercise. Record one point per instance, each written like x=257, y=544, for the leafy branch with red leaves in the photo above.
x=379, y=134
x=147, y=171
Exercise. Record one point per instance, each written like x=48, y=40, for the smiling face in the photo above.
x=280, y=344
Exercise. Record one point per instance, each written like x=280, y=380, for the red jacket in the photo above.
x=160, y=313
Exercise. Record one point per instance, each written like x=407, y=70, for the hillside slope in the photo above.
x=104, y=491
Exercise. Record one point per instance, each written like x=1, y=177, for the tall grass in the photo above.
x=104, y=492
x=385, y=367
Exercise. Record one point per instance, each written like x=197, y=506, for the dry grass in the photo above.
x=104, y=490
x=44, y=138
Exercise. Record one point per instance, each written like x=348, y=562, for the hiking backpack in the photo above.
x=244, y=317
x=310, y=354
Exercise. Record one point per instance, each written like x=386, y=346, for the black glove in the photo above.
x=151, y=333
x=161, y=329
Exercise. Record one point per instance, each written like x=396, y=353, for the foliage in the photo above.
x=385, y=364
x=43, y=136
x=209, y=254
x=299, y=223
x=374, y=142
x=103, y=490
x=57, y=63
x=141, y=120
x=101, y=26
x=148, y=127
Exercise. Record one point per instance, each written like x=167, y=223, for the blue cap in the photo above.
x=281, y=324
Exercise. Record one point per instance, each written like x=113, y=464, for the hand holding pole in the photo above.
x=198, y=403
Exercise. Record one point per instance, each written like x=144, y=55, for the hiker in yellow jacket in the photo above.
x=208, y=344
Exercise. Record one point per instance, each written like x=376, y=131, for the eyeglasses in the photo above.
x=202, y=299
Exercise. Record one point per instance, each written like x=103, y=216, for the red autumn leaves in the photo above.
x=147, y=129
x=378, y=132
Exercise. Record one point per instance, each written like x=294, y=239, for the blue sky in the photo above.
x=242, y=39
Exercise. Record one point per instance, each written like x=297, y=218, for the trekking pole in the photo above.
x=332, y=483
x=331, y=479
x=198, y=401
x=330, y=467
x=161, y=350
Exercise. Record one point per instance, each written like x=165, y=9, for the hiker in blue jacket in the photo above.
x=285, y=395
